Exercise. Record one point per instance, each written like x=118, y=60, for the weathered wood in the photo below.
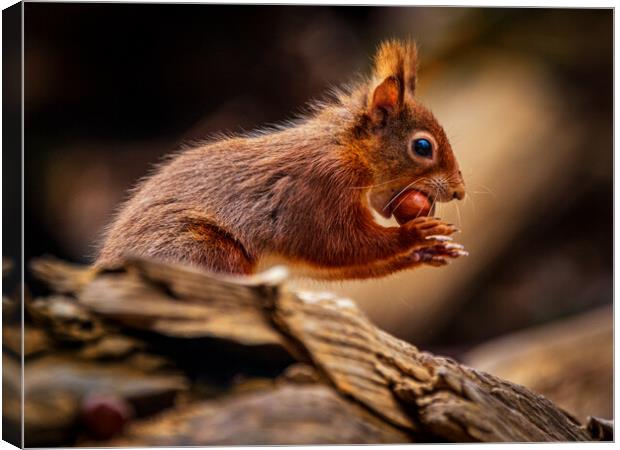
x=111, y=346
x=62, y=277
x=133, y=302
x=415, y=389
x=379, y=378
x=283, y=415
x=569, y=361
x=65, y=319
x=35, y=340
x=56, y=385
x=601, y=429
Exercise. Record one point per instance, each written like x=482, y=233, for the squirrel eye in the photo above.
x=422, y=147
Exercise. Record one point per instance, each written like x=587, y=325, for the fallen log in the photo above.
x=359, y=385
x=569, y=361
x=284, y=415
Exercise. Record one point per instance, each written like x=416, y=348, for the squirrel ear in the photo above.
x=386, y=99
x=397, y=59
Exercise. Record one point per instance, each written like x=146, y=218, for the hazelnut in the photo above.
x=410, y=205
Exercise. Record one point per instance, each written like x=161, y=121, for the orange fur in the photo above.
x=300, y=192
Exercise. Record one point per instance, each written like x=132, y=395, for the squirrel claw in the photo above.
x=438, y=237
x=458, y=252
x=438, y=254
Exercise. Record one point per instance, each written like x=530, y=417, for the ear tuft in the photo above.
x=398, y=59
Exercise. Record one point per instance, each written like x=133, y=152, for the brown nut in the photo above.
x=410, y=205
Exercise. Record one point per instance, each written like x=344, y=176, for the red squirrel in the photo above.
x=303, y=193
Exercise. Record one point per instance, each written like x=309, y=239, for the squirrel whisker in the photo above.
x=410, y=185
x=378, y=184
x=458, y=214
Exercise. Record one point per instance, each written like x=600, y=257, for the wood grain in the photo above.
x=360, y=384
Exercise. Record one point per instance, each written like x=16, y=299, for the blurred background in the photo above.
x=525, y=96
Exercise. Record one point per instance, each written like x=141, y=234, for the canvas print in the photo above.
x=304, y=225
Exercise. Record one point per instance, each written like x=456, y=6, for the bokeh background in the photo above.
x=524, y=94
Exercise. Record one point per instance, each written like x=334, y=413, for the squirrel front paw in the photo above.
x=423, y=229
x=430, y=240
x=437, y=254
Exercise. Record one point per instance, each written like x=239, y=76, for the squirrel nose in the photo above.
x=458, y=193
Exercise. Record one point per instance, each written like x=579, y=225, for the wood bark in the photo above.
x=281, y=415
x=569, y=361
x=251, y=361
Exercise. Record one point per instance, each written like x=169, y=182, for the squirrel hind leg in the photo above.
x=209, y=247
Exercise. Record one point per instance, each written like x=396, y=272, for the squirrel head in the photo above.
x=403, y=143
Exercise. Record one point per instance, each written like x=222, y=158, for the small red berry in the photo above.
x=105, y=416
